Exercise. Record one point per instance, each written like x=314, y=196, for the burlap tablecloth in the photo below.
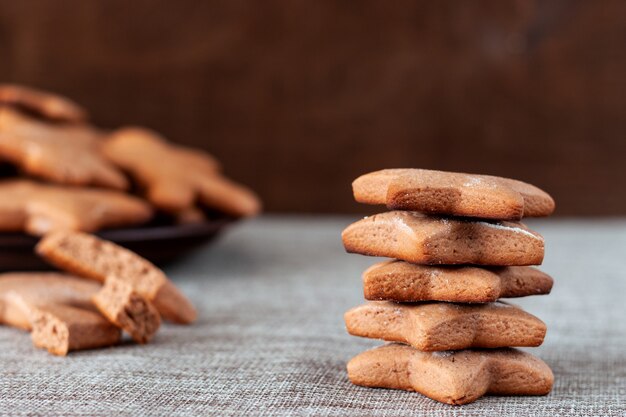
x=271, y=341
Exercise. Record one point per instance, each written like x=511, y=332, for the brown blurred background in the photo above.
x=297, y=98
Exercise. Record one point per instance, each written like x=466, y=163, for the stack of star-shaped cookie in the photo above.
x=458, y=247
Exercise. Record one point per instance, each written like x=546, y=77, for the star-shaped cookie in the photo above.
x=453, y=194
x=65, y=154
x=47, y=105
x=452, y=377
x=38, y=208
x=420, y=239
x=446, y=326
x=175, y=178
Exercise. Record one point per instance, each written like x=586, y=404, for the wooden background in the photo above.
x=299, y=97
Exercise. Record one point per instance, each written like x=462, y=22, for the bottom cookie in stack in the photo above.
x=452, y=377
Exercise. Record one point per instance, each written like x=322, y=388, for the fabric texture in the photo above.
x=270, y=338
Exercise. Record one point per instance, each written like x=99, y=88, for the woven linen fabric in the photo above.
x=270, y=339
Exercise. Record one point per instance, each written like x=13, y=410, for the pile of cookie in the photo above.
x=64, y=173
x=105, y=289
x=457, y=247
x=60, y=176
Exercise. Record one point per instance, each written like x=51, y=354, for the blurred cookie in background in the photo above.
x=42, y=103
x=175, y=178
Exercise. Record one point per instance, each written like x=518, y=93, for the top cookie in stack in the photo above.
x=75, y=176
x=458, y=247
x=453, y=194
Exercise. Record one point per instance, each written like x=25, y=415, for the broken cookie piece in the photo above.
x=19, y=290
x=61, y=329
x=88, y=256
x=57, y=309
x=124, y=307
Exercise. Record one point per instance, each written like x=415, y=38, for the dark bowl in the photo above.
x=157, y=243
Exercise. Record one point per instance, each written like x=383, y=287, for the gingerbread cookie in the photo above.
x=176, y=177
x=451, y=193
x=62, y=154
x=57, y=309
x=420, y=239
x=19, y=290
x=452, y=377
x=39, y=208
x=125, y=308
x=61, y=329
x=88, y=256
x=404, y=282
x=446, y=326
x=42, y=103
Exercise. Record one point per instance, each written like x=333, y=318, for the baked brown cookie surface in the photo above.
x=47, y=105
x=19, y=290
x=57, y=309
x=66, y=154
x=38, y=208
x=452, y=377
x=88, y=256
x=61, y=329
x=454, y=194
x=420, y=239
x=175, y=178
x=127, y=309
x=446, y=326
x=405, y=282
